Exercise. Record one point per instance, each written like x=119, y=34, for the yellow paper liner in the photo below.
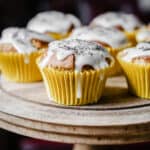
x=131, y=36
x=137, y=78
x=116, y=68
x=62, y=86
x=15, y=68
x=58, y=36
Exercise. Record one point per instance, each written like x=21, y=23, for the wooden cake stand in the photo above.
x=119, y=118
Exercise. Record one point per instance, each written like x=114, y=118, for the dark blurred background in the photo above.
x=18, y=12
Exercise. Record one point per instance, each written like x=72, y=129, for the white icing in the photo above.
x=110, y=36
x=46, y=59
x=79, y=30
x=21, y=40
x=79, y=90
x=143, y=35
x=7, y=33
x=86, y=53
x=142, y=49
x=53, y=21
x=110, y=19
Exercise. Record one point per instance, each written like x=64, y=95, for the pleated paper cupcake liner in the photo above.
x=58, y=36
x=72, y=88
x=20, y=67
x=137, y=78
x=131, y=36
x=116, y=69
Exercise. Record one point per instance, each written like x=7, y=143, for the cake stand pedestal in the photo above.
x=119, y=118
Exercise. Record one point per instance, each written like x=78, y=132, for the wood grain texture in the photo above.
x=119, y=118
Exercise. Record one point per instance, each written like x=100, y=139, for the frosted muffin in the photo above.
x=75, y=71
x=112, y=39
x=53, y=23
x=7, y=33
x=136, y=65
x=128, y=23
x=143, y=34
x=19, y=49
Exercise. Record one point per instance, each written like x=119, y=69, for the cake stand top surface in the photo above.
x=26, y=109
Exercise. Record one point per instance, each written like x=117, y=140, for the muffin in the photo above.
x=53, y=23
x=75, y=71
x=143, y=34
x=128, y=23
x=136, y=65
x=7, y=33
x=110, y=38
x=19, y=49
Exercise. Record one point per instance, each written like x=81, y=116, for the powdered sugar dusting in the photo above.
x=86, y=53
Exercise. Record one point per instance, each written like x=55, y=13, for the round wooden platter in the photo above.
x=119, y=118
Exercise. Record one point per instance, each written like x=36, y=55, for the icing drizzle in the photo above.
x=86, y=53
x=142, y=49
x=7, y=33
x=110, y=36
x=21, y=40
x=53, y=21
x=110, y=19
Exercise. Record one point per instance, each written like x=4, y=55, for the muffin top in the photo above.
x=7, y=33
x=122, y=21
x=53, y=21
x=109, y=37
x=143, y=34
x=74, y=54
x=22, y=40
x=139, y=54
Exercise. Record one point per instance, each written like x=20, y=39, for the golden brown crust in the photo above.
x=141, y=59
x=109, y=61
x=71, y=28
x=74, y=54
x=103, y=43
x=39, y=44
x=66, y=64
x=87, y=67
x=119, y=27
x=136, y=28
x=6, y=47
